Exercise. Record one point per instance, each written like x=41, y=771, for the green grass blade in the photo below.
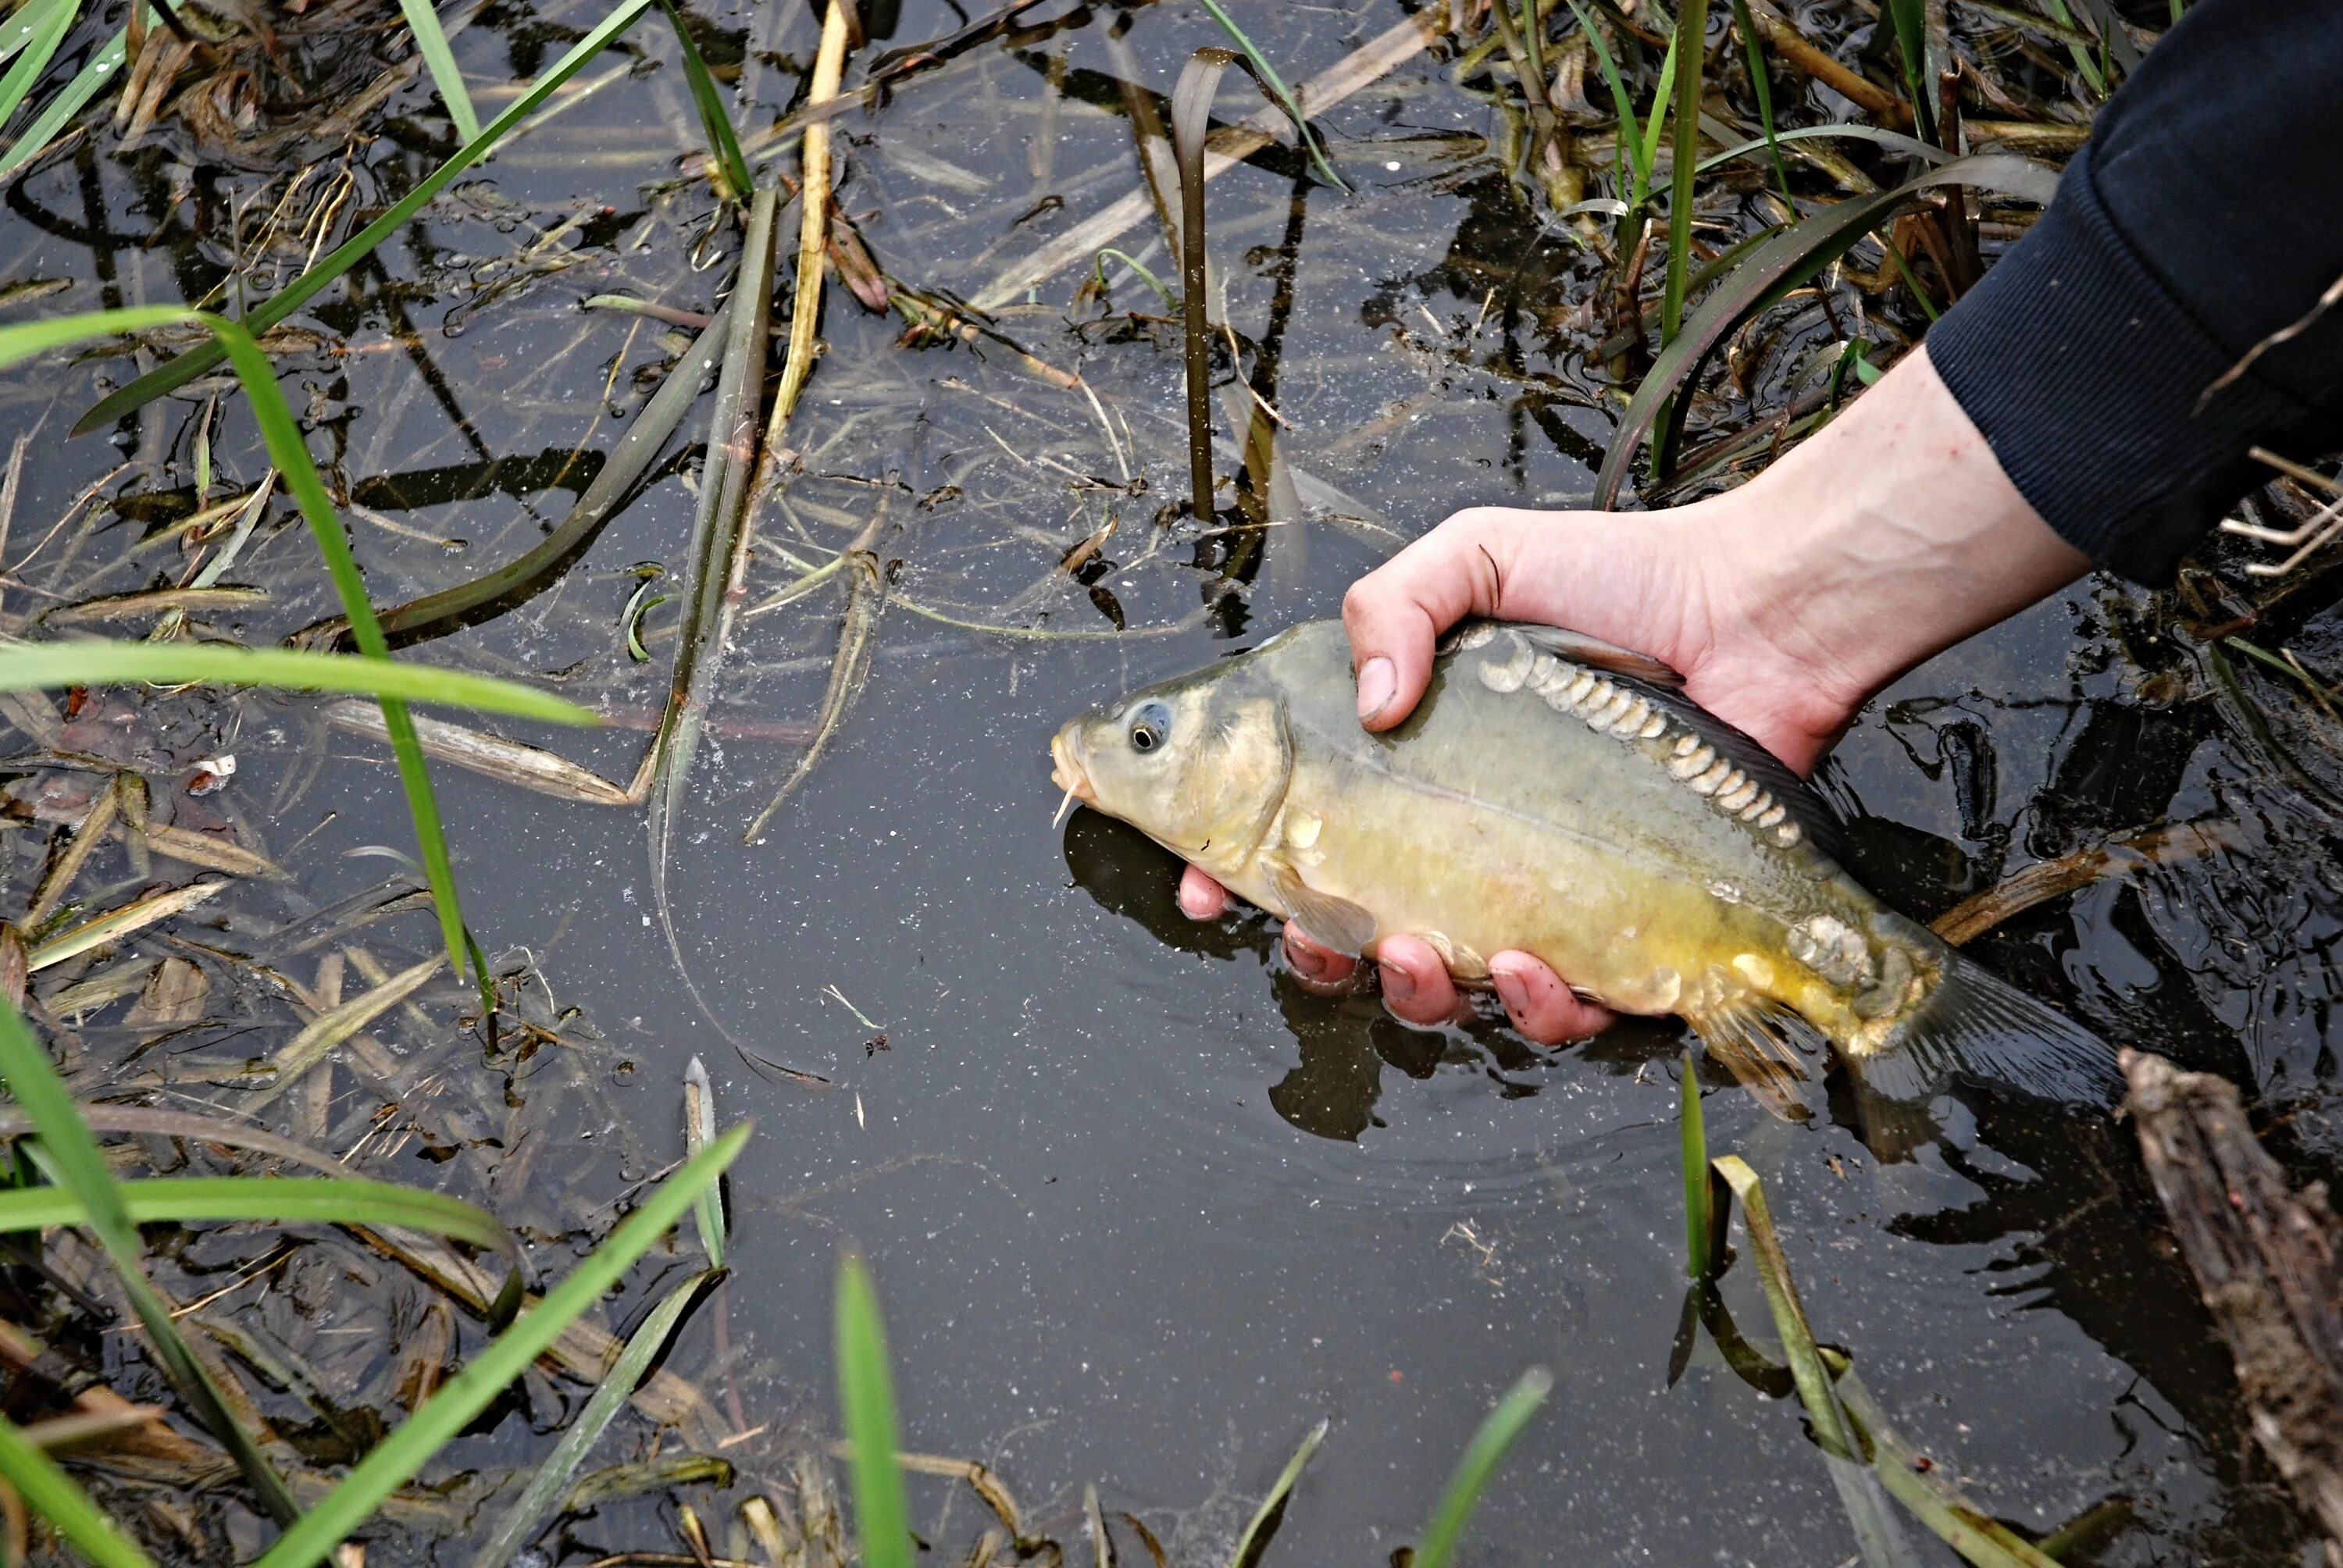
x=54, y=665
x=431, y=42
x=1629, y=137
x=1480, y=1461
x=1958, y=1523
x=2093, y=71
x=463, y=1397
x=1278, y=91
x=75, y=1163
x=1911, y=281
x=1798, y=252
x=1700, y=1213
x=28, y=24
x=1648, y=151
x=1876, y=1533
x=1255, y=1539
x=1789, y=1315
x=49, y=1491
x=1761, y=83
x=38, y=31
x=723, y=145
x=1911, y=22
x=545, y=1487
x=1139, y=269
x=178, y=372
x=282, y=1199
x=290, y=453
x=1893, y=141
x=866, y=1401
x=100, y=68
x=1691, y=22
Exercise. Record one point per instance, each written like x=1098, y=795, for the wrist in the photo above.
x=1888, y=537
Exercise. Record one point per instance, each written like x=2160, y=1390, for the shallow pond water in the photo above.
x=1141, y=1211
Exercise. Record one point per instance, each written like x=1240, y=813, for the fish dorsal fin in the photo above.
x=1563, y=643
x=1596, y=654
x=1763, y=1044
x=1333, y=922
x=1516, y=647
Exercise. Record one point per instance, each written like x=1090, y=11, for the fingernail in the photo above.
x=1513, y=993
x=1398, y=984
x=1378, y=681
x=1308, y=962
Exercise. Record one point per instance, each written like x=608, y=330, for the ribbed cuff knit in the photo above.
x=2086, y=374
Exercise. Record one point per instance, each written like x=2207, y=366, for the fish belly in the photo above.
x=1627, y=925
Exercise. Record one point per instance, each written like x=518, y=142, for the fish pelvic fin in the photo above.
x=1976, y=1026
x=1765, y=1045
x=1333, y=922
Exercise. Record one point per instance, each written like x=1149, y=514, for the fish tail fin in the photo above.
x=1765, y=1045
x=1976, y=1025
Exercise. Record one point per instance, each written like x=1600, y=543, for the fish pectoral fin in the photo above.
x=1332, y=922
x=1765, y=1045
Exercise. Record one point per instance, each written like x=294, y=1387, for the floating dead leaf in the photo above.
x=130, y=606
x=530, y=766
x=116, y=924
x=67, y=865
x=1081, y=556
x=210, y=851
x=12, y=972
x=173, y=995
x=329, y=1029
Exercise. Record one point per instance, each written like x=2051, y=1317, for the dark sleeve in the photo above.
x=2206, y=214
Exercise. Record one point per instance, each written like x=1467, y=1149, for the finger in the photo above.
x=1396, y=613
x=1319, y=968
x=1417, y=986
x=1540, y=1005
x=1201, y=898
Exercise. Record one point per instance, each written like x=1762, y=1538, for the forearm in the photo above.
x=2197, y=222
x=1890, y=536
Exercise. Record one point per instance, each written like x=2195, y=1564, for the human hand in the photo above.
x=1785, y=604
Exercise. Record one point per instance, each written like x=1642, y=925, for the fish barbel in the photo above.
x=1555, y=794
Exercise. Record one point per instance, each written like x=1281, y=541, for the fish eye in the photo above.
x=1149, y=723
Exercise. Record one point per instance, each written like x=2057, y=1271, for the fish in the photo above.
x=1559, y=795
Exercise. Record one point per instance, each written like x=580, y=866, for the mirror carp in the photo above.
x=1558, y=795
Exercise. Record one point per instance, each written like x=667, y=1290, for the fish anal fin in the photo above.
x=1330, y=921
x=1765, y=1045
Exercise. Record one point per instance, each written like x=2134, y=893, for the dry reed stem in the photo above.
x=1797, y=50
x=813, y=229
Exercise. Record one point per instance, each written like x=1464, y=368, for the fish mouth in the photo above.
x=1067, y=773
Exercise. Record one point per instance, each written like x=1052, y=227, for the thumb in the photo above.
x=1396, y=613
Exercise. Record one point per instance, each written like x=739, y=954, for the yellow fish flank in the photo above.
x=1560, y=796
